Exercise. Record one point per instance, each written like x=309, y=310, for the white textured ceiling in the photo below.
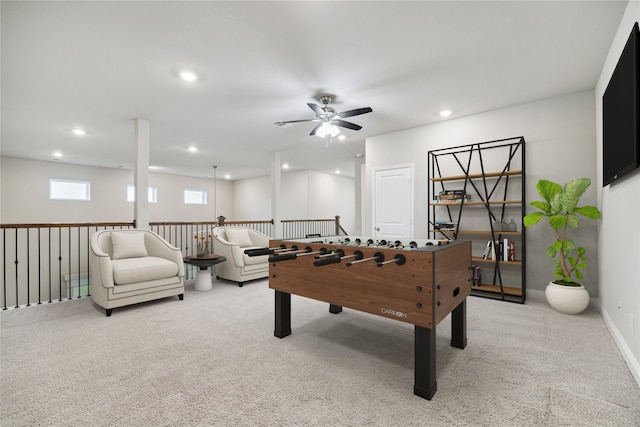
x=100, y=65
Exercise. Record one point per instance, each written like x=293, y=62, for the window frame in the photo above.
x=203, y=196
x=87, y=189
x=152, y=193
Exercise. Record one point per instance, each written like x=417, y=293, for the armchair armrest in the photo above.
x=158, y=247
x=101, y=269
x=231, y=251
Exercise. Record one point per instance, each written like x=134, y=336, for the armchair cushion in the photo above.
x=239, y=236
x=132, y=270
x=128, y=245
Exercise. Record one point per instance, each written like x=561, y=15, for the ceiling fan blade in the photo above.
x=356, y=112
x=294, y=121
x=315, y=129
x=347, y=125
x=316, y=108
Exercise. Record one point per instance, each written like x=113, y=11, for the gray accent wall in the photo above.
x=560, y=146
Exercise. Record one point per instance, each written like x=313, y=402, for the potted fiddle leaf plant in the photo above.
x=560, y=206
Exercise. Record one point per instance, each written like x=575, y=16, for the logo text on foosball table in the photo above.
x=393, y=312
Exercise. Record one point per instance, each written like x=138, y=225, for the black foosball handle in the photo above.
x=258, y=251
x=327, y=260
x=282, y=257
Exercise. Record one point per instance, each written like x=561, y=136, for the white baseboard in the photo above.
x=627, y=354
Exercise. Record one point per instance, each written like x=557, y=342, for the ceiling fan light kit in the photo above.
x=328, y=119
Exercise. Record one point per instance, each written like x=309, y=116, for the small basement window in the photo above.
x=153, y=194
x=65, y=189
x=195, y=197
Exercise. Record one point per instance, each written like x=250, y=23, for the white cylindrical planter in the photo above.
x=567, y=299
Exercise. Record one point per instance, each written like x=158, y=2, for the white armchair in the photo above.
x=231, y=242
x=132, y=266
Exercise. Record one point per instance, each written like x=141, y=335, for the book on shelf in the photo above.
x=452, y=196
x=512, y=251
x=500, y=250
x=476, y=274
x=444, y=226
x=487, y=250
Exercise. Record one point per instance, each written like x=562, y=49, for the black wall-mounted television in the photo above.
x=621, y=114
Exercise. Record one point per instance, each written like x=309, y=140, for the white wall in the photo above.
x=618, y=233
x=560, y=146
x=304, y=195
x=25, y=194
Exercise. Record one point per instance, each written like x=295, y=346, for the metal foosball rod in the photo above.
x=322, y=252
x=398, y=259
x=336, y=258
x=338, y=252
x=377, y=257
x=348, y=242
x=291, y=253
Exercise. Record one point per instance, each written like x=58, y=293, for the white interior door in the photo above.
x=393, y=204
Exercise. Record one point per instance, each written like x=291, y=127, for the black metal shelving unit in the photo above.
x=492, y=174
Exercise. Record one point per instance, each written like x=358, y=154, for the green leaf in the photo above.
x=579, y=275
x=568, y=245
x=588, y=211
x=556, y=221
x=581, y=265
x=572, y=261
x=532, y=218
x=572, y=221
x=551, y=252
x=556, y=206
x=557, y=245
x=541, y=205
x=572, y=191
x=548, y=189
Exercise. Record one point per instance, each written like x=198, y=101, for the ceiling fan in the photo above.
x=328, y=118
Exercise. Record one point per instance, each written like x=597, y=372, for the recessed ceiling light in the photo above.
x=337, y=171
x=188, y=76
x=285, y=166
x=227, y=176
x=193, y=148
x=445, y=113
x=79, y=132
x=342, y=137
x=57, y=154
x=359, y=155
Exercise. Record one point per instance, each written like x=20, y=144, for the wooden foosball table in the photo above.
x=418, y=282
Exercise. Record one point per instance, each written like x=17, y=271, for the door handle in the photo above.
x=377, y=228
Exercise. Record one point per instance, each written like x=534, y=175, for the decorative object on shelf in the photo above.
x=560, y=205
x=511, y=226
x=202, y=245
x=476, y=275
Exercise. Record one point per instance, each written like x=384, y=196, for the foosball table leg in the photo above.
x=459, y=325
x=283, y=314
x=335, y=309
x=425, y=362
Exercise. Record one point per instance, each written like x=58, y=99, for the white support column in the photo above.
x=276, y=168
x=141, y=173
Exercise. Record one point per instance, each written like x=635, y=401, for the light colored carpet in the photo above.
x=212, y=359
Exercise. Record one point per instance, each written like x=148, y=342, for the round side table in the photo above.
x=203, y=278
